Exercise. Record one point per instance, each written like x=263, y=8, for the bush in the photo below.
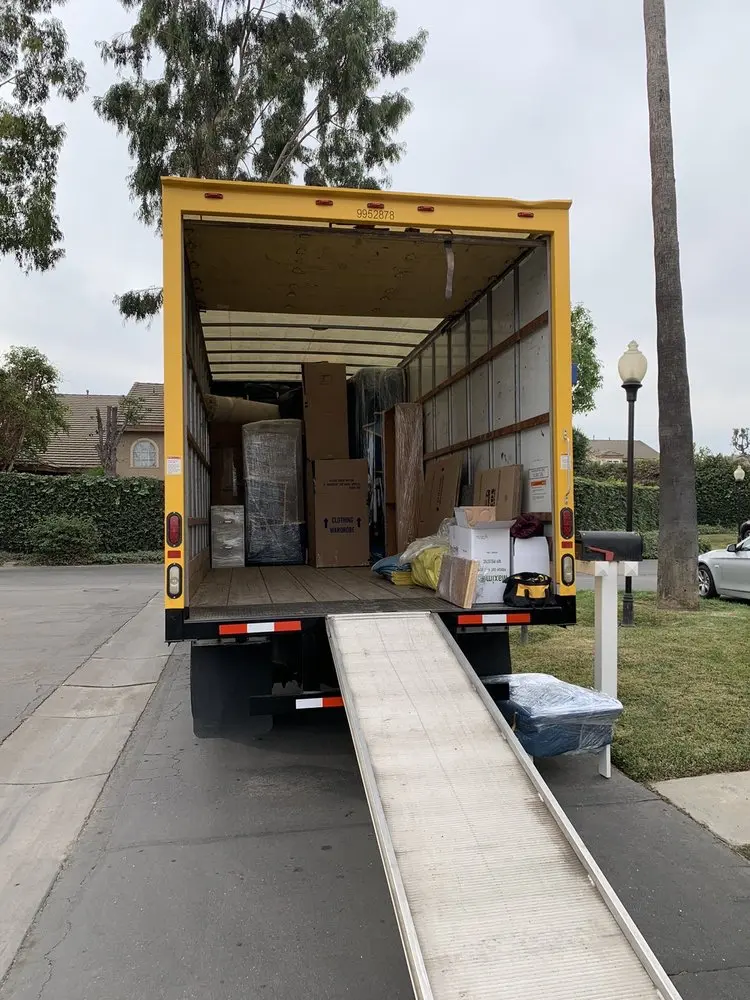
x=602, y=505
x=128, y=513
x=63, y=538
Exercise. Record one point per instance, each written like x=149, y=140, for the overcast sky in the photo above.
x=540, y=99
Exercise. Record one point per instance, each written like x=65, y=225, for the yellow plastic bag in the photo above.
x=425, y=566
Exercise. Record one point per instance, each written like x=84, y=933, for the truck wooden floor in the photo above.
x=256, y=591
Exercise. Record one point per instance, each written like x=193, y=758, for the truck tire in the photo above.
x=222, y=679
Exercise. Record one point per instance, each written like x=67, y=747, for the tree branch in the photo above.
x=291, y=145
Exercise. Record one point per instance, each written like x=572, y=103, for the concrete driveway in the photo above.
x=52, y=619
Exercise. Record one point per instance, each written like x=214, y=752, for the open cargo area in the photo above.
x=441, y=362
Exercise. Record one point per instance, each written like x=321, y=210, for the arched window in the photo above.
x=144, y=454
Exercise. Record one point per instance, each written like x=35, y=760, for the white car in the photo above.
x=725, y=572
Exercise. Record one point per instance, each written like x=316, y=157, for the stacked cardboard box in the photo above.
x=337, y=486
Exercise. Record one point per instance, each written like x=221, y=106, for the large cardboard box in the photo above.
x=338, y=529
x=326, y=420
x=500, y=488
x=440, y=494
x=489, y=545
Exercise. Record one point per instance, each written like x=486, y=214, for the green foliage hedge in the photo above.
x=602, y=505
x=62, y=538
x=128, y=513
x=720, y=500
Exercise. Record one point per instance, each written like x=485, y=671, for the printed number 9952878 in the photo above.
x=376, y=214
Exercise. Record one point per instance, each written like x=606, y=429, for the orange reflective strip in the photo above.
x=287, y=627
x=335, y=702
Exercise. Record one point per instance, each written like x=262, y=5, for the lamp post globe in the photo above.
x=632, y=366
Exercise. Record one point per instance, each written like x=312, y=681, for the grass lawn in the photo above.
x=720, y=541
x=684, y=680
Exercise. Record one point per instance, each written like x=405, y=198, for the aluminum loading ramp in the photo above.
x=494, y=892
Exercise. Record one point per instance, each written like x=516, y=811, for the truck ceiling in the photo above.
x=273, y=295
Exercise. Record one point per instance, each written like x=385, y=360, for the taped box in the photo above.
x=490, y=546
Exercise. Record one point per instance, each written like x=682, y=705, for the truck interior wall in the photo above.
x=498, y=411
x=198, y=468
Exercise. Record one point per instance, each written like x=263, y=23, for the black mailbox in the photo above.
x=609, y=546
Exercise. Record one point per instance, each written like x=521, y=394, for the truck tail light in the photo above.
x=568, y=568
x=566, y=522
x=174, y=530
x=174, y=580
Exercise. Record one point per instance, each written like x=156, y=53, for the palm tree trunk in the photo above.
x=678, y=523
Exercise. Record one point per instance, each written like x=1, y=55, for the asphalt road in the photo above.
x=52, y=619
x=221, y=870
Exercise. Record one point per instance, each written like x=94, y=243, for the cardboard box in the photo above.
x=326, y=419
x=439, y=494
x=500, y=488
x=338, y=529
x=490, y=546
x=470, y=517
x=458, y=580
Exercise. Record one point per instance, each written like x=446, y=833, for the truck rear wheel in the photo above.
x=222, y=680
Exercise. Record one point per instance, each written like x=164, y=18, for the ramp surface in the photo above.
x=495, y=894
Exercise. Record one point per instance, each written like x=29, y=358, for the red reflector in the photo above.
x=173, y=554
x=566, y=522
x=324, y=202
x=333, y=702
x=288, y=627
x=518, y=619
x=174, y=530
x=469, y=619
x=567, y=545
x=213, y=195
x=425, y=208
x=232, y=629
x=525, y=215
x=376, y=204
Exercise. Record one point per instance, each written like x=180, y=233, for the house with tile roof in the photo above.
x=611, y=450
x=141, y=449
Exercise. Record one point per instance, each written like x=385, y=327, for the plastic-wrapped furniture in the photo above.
x=227, y=536
x=274, y=492
x=551, y=717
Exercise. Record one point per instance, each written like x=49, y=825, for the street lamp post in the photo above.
x=739, y=476
x=632, y=367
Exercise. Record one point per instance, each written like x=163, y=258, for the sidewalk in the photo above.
x=687, y=891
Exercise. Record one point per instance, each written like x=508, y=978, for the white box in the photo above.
x=490, y=546
x=531, y=555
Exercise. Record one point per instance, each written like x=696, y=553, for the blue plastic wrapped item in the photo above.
x=551, y=717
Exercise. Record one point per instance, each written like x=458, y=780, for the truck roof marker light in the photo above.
x=213, y=195
x=425, y=208
x=324, y=202
x=525, y=215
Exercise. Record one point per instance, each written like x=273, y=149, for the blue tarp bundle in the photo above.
x=552, y=717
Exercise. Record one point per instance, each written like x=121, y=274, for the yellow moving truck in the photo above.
x=469, y=296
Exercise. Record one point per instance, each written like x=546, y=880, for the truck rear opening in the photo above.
x=466, y=298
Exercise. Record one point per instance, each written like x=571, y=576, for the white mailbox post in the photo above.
x=605, y=632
